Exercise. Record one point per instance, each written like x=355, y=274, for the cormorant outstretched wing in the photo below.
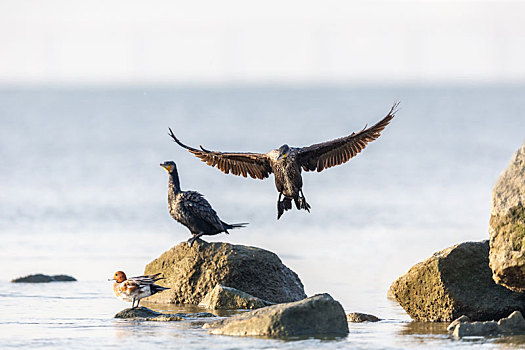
x=256, y=165
x=335, y=152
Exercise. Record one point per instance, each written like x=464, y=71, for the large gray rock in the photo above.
x=453, y=282
x=319, y=315
x=222, y=297
x=507, y=225
x=192, y=272
x=41, y=278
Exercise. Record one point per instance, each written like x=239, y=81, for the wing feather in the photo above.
x=255, y=165
x=335, y=152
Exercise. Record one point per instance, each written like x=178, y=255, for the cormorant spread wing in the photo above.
x=335, y=152
x=256, y=165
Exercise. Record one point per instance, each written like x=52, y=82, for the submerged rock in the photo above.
x=138, y=312
x=356, y=317
x=319, y=315
x=192, y=272
x=514, y=324
x=222, y=297
x=507, y=225
x=41, y=278
x=453, y=282
x=145, y=314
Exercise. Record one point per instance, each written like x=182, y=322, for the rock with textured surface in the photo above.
x=41, y=278
x=507, y=225
x=453, y=282
x=145, y=314
x=357, y=317
x=192, y=272
x=222, y=297
x=319, y=315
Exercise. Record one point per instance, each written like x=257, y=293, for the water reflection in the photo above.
x=425, y=328
x=515, y=341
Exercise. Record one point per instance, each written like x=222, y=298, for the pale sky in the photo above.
x=241, y=41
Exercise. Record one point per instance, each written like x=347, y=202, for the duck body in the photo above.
x=135, y=288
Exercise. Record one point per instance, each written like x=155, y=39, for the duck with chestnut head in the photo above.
x=135, y=288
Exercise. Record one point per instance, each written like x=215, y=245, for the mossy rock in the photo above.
x=316, y=316
x=192, y=272
x=453, y=282
x=507, y=226
x=222, y=297
x=41, y=278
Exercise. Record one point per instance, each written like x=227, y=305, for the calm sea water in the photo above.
x=82, y=193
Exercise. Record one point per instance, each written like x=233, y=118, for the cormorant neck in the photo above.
x=174, y=181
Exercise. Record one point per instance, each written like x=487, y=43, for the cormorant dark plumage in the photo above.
x=192, y=210
x=287, y=162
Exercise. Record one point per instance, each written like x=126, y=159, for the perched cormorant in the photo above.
x=192, y=210
x=286, y=162
x=135, y=288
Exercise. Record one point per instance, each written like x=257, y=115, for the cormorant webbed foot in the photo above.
x=302, y=202
x=194, y=238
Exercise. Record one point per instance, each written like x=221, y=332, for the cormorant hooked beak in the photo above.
x=282, y=156
x=166, y=166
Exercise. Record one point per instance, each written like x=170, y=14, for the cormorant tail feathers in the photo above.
x=230, y=226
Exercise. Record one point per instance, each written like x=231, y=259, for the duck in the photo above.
x=135, y=288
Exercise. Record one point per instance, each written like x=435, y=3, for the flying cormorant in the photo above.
x=135, y=288
x=192, y=210
x=286, y=162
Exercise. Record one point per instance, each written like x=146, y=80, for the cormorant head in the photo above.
x=169, y=166
x=284, y=150
x=119, y=276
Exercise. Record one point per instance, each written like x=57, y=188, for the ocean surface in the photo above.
x=82, y=193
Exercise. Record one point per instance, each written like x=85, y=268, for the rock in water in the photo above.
x=457, y=321
x=514, y=324
x=507, y=225
x=41, y=278
x=357, y=317
x=144, y=314
x=319, y=315
x=476, y=329
x=453, y=282
x=138, y=312
x=222, y=297
x=192, y=272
